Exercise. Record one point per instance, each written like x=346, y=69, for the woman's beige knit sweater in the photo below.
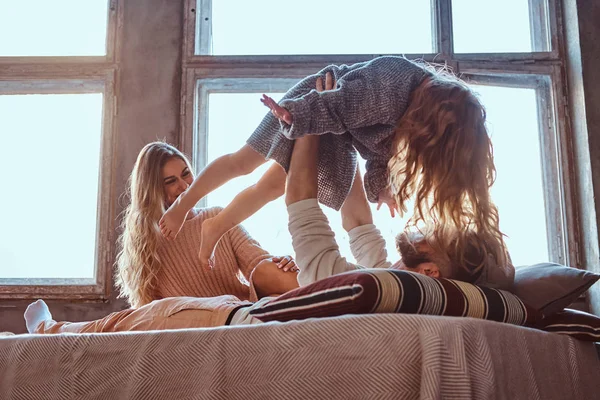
x=181, y=274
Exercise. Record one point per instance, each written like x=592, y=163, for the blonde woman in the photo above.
x=422, y=133
x=149, y=267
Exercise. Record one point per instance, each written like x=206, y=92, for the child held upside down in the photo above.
x=422, y=133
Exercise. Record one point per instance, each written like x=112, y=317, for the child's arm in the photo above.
x=374, y=93
x=371, y=94
x=377, y=184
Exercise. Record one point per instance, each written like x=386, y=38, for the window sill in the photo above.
x=55, y=289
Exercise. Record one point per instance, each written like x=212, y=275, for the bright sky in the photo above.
x=52, y=185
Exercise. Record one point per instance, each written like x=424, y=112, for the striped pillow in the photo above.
x=393, y=291
x=578, y=324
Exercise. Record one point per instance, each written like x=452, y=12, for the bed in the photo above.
x=395, y=356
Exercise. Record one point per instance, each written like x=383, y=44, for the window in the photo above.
x=512, y=67
x=56, y=117
x=499, y=27
x=267, y=27
x=512, y=120
x=54, y=28
x=60, y=230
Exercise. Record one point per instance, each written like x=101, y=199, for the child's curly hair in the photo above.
x=442, y=155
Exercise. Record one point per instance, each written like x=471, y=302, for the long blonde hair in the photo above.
x=138, y=262
x=443, y=156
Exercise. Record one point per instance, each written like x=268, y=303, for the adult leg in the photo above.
x=38, y=319
x=168, y=313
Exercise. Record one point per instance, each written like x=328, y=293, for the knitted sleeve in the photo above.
x=365, y=96
x=247, y=250
x=368, y=247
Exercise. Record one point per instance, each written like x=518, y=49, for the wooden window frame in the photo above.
x=75, y=75
x=543, y=71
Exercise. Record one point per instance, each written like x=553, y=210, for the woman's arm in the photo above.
x=366, y=243
x=247, y=250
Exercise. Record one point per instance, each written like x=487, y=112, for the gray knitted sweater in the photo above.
x=361, y=113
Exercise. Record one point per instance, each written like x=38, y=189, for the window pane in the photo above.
x=492, y=26
x=518, y=191
x=320, y=27
x=50, y=159
x=53, y=28
x=269, y=225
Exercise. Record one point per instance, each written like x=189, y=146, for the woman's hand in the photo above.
x=286, y=263
x=385, y=197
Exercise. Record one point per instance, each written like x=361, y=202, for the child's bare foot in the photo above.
x=211, y=234
x=36, y=313
x=172, y=220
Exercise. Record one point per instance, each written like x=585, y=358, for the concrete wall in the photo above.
x=148, y=86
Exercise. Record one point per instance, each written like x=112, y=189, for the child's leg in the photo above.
x=270, y=187
x=215, y=174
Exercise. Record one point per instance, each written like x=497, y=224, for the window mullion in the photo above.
x=204, y=24
x=200, y=135
x=442, y=27
x=538, y=17
x=553, y=189
x=111, y=30
x=564, y=144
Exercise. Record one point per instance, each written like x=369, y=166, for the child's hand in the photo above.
x=281, y=113
x=330, y=83
x=286, y=263
x=171, y=222
x=385, y=196
x=284, y=115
